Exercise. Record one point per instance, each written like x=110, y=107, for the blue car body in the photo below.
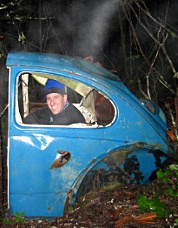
x=128, y=149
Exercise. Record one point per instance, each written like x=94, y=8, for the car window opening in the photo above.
x=96, y=108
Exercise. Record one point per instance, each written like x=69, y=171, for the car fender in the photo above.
x=125, y=164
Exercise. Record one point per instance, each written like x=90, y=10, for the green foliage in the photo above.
x=133, y=57
x=132, y=82
x=163, y=175
x=153, y=204
x=166, y=187
x=18, y=218
x=173, y=35
x=174, y=167
x=111, y=185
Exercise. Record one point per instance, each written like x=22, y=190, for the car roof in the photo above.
x=59, y=62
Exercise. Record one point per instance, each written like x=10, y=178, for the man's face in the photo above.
x=56, y=102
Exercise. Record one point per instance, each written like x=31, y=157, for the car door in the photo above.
x=39, y=183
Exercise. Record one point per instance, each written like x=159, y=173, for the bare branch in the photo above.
x=155, y=40
x=140, y=89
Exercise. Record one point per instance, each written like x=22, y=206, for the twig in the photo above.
x=3, y=111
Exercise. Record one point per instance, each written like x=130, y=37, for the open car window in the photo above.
x=95, y=107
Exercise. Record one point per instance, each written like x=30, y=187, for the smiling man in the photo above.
x=58, y=110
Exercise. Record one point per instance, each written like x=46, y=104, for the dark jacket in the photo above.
x=44, y=115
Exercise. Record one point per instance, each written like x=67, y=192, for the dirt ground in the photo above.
x=116, y=207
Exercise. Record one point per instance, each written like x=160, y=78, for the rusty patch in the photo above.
x=93, y=160
x=122, y=167
x=67, y=201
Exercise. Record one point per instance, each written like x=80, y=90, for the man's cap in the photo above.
x=53, y=86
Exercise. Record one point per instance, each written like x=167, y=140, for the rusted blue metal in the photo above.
x=128, y=149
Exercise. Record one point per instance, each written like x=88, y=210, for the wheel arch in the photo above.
x=124, y=164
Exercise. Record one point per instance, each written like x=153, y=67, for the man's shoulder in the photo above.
x=45, y=108
x=75, y=113
x=70, y=105
x=37, y=116
x=73, y=107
